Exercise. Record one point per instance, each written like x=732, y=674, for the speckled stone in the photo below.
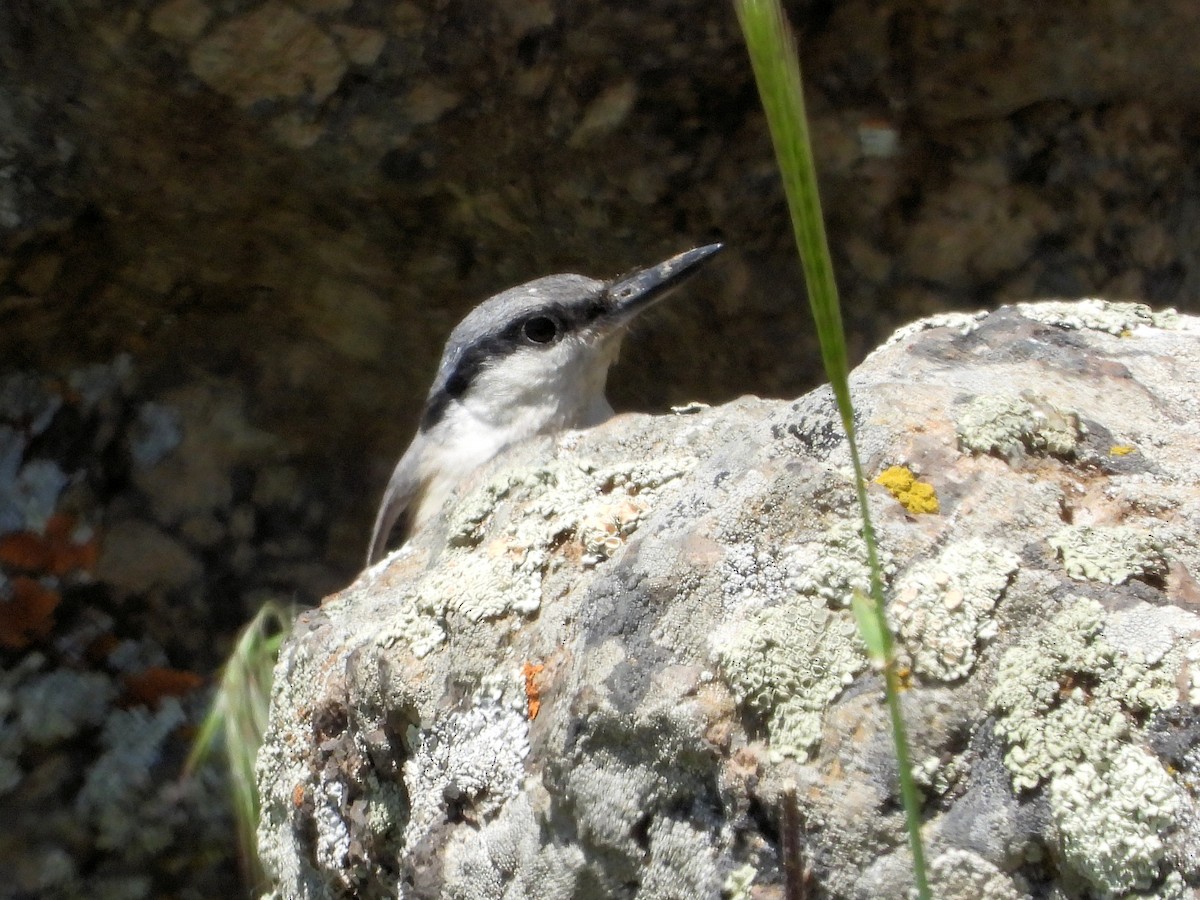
x=194, y=184
x=270, y=53
x=511, y=702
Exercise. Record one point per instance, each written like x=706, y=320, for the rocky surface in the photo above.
x=262, y=217
x=603, y=666
x=100, y=600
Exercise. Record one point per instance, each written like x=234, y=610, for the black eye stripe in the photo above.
x=493, y=347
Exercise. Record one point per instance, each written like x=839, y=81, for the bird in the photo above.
x=531, y=360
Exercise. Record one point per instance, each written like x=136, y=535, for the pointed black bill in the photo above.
x=631, y=294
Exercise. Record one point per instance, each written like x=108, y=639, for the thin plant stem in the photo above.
x=776, y=66
x=237, y=721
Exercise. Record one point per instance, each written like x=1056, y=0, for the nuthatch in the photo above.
x=531, y=360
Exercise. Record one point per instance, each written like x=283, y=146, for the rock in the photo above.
x=599, y=670
x=217, y=437
x=180, y=20
x=136, y=558
x=270, y=53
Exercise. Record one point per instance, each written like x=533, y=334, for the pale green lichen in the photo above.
x=1111, y=816
x=1007, y=426
x=1118, y=318
x=505, y=578
x=834, y=567
x=605, y=526
x=601, y=506
x=739, y=882
x=1068, y=706
x=942, y=607
x=556, y=498
x=422, y=629
x=471, y=512
x=787, y=662
x=1172, y=887
x=962, y=875
x=793, y=654
x=1112, y=554
x=1067, y=697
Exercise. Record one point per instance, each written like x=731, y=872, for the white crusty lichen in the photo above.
x=1114, y=317
x=480, y=586
x=962, y=322
x=563, y=493
x=332, y=838
x=468, y=759
x=1160, y=635
x=1111, y=816
x=55, y=706
x=1008, y=426
x=787, y=662
x=505, y=857
x=834, y=567
x=1067, y=696
x=682, y=862
x=942, y=607
x=1112, y=554
x=116, y=795
x=751, y=574
x=1192, y=656
x=416, y=621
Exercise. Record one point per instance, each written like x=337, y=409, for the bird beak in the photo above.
x=630, y=294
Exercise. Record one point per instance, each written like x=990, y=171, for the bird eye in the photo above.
x=540, y=329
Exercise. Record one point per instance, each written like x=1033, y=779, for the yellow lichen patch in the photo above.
x=915, y=496
x=1121, y=450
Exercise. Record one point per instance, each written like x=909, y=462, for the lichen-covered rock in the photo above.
x=597, y=673
x=125, y=523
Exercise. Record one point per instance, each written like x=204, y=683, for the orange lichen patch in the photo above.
x=55, y=552
x=915, y=496
x=298, y=796
x=151, y=685
x=25, y=551
x=75, y=557
x=28, y=615
x=1121, y=450
x=532, y=694
x=69, y=555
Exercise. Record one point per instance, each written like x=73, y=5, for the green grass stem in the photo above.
x=776, y=65
x=238, y=719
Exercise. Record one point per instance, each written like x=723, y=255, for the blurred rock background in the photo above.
x=234, y=235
